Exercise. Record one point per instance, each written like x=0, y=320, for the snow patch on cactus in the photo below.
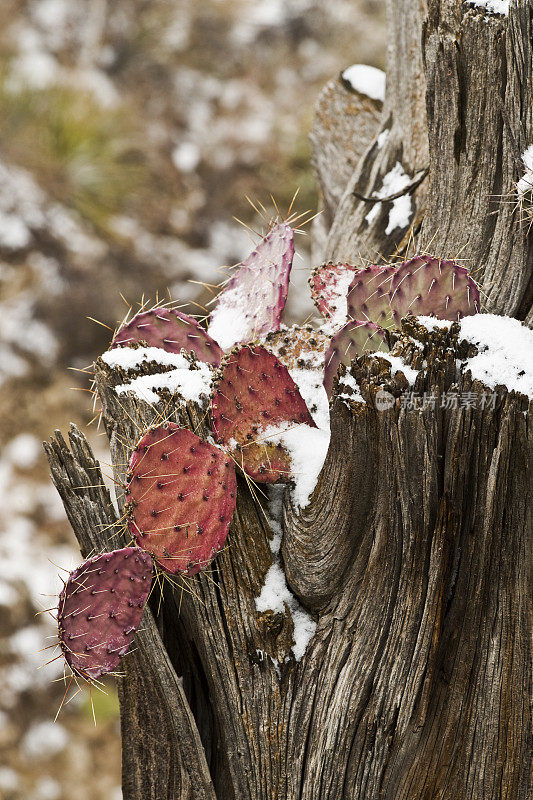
x=253, y=301
x=308, y=448
x=309, y=382
x=505, y=347
x=394, y=181
x=275, y=594
x=367, y=80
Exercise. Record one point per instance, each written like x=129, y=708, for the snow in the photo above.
x=186, y=157
x=349, y=389
x=340, y=315
x=308, y=448
x=366, y=80
x=44, y=739
x=525, y=184
x=132, y=357
x=23, y=451
x=14, y=233
x=398, y=365
x=310, y=384
x=492, y=6
x=228, y=328
x=382, y=138
x=505, y=355
x=394, y=181
x=432, y=323
x=191, y=381
x=275, y=593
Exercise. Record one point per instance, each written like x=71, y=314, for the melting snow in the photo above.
x=308, y=448
x=366, y=80
x=275, y=592
x=505, y=355
x=310, y=384
x=394, y=181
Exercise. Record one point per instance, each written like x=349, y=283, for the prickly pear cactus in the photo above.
x=369, y=295
x=353, y=339
x=252, y=393
x=100, y=609
x=432, y=287
x=329, y=288
x=181, y=495
x=250, y=306
x=171, y=330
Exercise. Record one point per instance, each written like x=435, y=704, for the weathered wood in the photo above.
x=345, y=124
x=433, y=602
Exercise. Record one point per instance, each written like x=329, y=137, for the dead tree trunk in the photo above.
x=415, y=553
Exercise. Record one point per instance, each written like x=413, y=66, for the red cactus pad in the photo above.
x=182, y=494
x=254, y=392
x=353, y=339
x=100, y=609
x=251, y=304
x=329, y=289
x=433, y=287
x=171, y=330
x=369, y=295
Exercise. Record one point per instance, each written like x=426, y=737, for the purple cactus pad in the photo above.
x=354, y=339
x=251, y=305
x=100, y=609
x=171, y=330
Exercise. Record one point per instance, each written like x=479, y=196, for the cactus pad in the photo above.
x=181, y=493
x=427, y=286
x=253, y=392
x=250, y=306
x=329, y=288
x=369, y=295
x=353, y=339
x=100, y=609
x=171, y=330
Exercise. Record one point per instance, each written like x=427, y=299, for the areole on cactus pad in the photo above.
x=254, y=392
x=181, y=494
x=354, y=339
x=369, y=295
x=250, y=306
x=171, y=330
x=100, y=609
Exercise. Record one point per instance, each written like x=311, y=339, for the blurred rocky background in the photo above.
x=131, y=132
